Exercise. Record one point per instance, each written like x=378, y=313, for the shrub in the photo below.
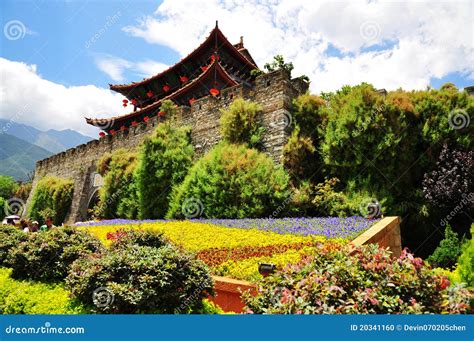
x=26, y=297
x=2, y=208
x=279, y=63
x=465, y=268
x=48, y=255
x=164, y=161
x=141, y=279
x=10, y=236
x=231, y=181
x=368, y=281
x=448, y=251
x=124, y=237
x=118, y=196
x=53, y=195
x=240, y=125
x=447, y=185
x=298, y=156
x=8, y=186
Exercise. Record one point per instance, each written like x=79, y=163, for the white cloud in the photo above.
x=388, y=43
x=115, y=67
x=28, y=98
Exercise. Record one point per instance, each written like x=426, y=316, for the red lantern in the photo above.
x=204, y=68
x=183, y=79
x=149, y=94
x=214, y=92
x=134, y=101
x=161, y=114
x=123, y=128
x=166, y=88
x=112, y=132
x=125, y=101
x=214, y=58
x=124, y=104
x=101, y=134
x=134, y=123
x=146, y=118
x=191, y=101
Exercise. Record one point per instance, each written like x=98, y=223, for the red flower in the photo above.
x=101, y=134
x=134, y=123
x=183, y=79
x=166, y=88
x=146, y=118
x=123, y=128
x=149, y=94
x=161, y=114
x=191, y=101
x=112, y=132
x=134, y=101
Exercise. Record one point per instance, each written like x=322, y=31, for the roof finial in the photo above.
x=242, y=41
x=217, y=25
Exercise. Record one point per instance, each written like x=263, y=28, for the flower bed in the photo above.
x=234, y=248
x=330, y=227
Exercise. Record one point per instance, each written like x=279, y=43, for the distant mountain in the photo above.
x=18, y=157
x=52, y=140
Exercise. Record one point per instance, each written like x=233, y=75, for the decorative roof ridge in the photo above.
x=191, y=54
x=153, y=105
x=182, y=60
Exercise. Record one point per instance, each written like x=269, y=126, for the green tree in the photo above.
x=118, y=197
x=164, y=161
x=54, y=196
x=8, y=186
x=448, y=251
x=231, y=181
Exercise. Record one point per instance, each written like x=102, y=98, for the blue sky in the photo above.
x=61, y=30
x=58, y=57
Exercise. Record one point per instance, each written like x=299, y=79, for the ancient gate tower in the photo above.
x=201, y=84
